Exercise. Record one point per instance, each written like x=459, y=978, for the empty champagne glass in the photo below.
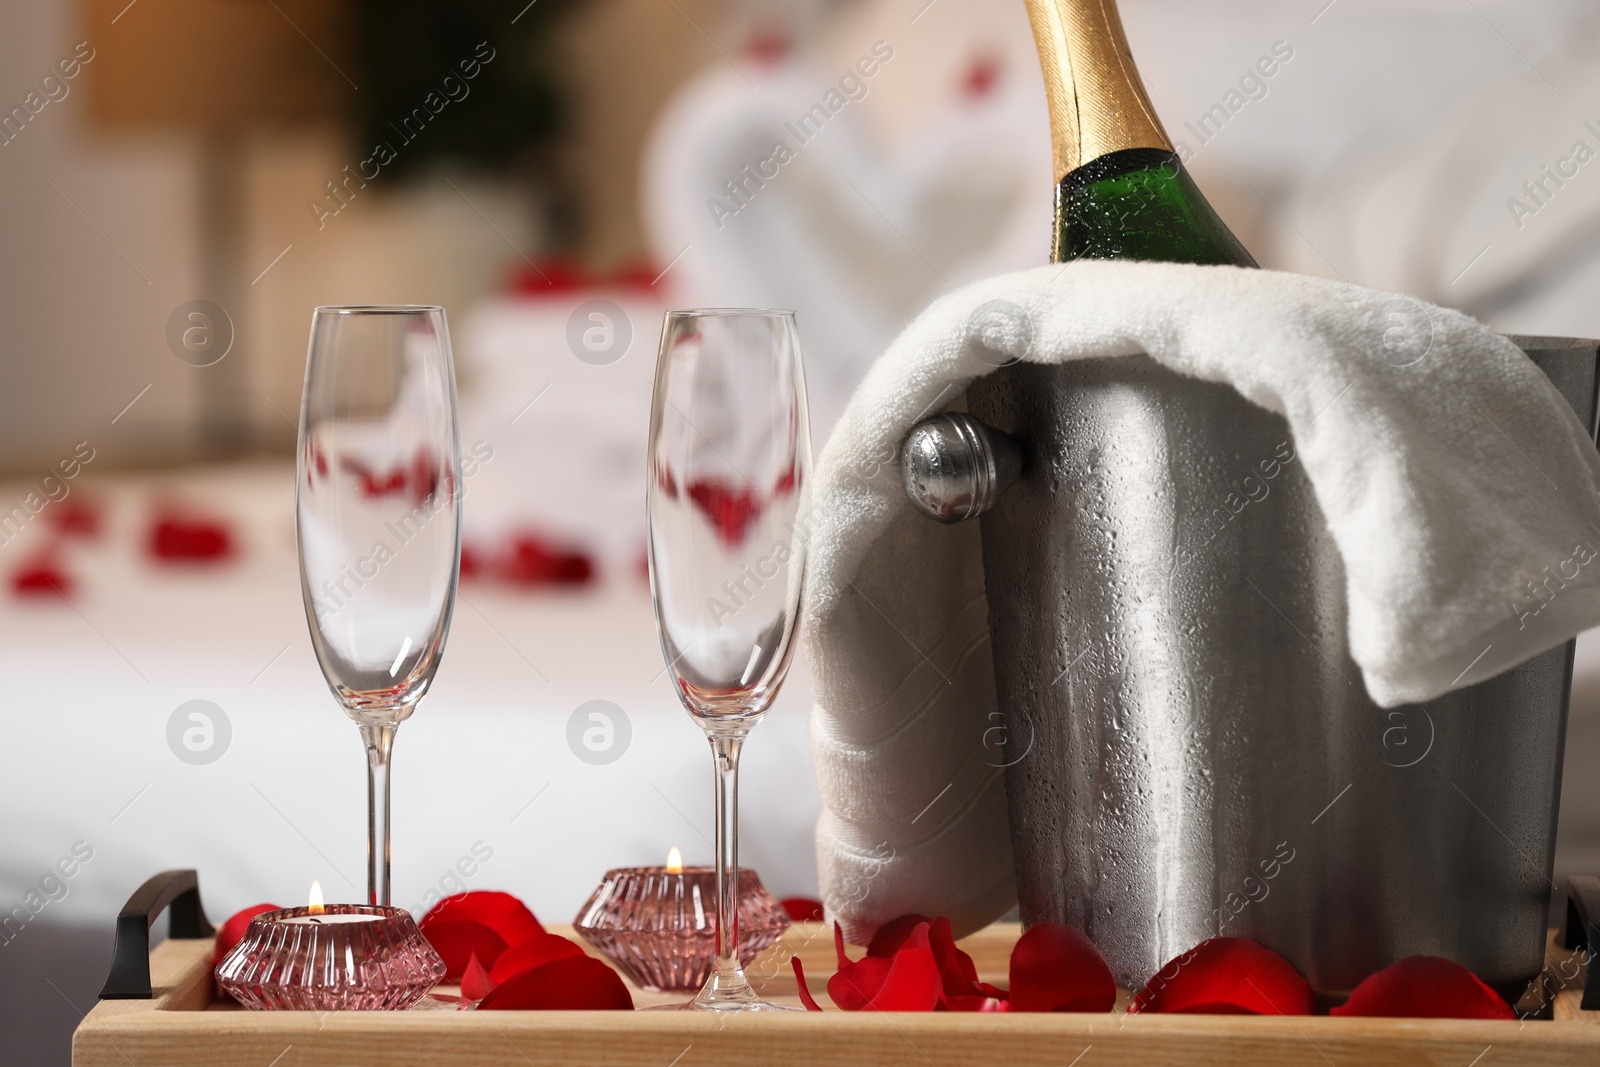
x=729, y=481
x=378, y=524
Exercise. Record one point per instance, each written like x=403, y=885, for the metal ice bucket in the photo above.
x=1190, y=748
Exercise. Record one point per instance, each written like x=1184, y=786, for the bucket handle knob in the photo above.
x=955, y=468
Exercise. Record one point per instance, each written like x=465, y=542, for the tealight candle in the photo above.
x=659, y=924
x=333, y=957
x=317, y=914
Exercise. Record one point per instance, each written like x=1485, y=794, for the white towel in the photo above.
x=1450, y=471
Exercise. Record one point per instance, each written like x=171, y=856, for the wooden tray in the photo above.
x=184, y=1026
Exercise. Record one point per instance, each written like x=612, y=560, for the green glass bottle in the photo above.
x=1121, y=192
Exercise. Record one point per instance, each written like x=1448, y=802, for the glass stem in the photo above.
x=727, y=981
x=380, y=743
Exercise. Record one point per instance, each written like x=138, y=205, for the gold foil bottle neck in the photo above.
x=1097, y=103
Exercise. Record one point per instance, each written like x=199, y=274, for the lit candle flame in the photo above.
x=314, y=905
x=674, y=861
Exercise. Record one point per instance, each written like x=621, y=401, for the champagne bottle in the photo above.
x=1121, y=191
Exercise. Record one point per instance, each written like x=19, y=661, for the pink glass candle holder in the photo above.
x=343, y=957
x=659, y=925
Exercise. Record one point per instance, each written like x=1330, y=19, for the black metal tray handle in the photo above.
x=1583, y=932
x=130, y=956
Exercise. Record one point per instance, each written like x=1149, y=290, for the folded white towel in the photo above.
x=1451, y=473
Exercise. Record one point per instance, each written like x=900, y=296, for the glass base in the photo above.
x=725, y=991
x=755, y=1003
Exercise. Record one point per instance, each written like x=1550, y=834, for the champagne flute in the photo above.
x=378, y=524
x=728, y=491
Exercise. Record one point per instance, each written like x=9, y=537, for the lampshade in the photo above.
x=201, y=64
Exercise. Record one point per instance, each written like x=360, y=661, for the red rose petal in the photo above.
x=41, y=578
x=913, y=965
x=373, y=483
x=179, y=539
x=958, y=974
x=768, y=45
x=475, y=981
x=458, y=943
x=533, y=561
x=500, y=912
x=574, y=983
x=75, y=518
x=1425, y=987
x=956, y=969
x=854, y=985
x=913, y=982
x=233, y=930
x=550, y=277
x=536, y=951
x=803, y=909
x=425, y=476
x=1054, y=967
x=800, y=984
x=1227, y=976
x=982, y=73
x=731, y=509
x=894, y=933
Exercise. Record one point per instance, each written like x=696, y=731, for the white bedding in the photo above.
x=90, y=688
